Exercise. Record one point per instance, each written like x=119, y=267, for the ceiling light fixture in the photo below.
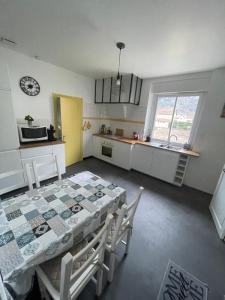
x=120, y=46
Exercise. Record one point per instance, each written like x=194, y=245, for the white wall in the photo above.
x=202, y=172
x=52, y=79
x=127, y=112
x=195, y=82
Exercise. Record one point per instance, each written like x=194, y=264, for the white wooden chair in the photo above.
x=15, y=186
x=67, y=282
x=53, y=161
x=3, y=295
x=121, y=227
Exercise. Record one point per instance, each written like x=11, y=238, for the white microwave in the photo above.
x=32, y=133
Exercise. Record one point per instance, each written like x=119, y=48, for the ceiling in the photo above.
x=163, y=37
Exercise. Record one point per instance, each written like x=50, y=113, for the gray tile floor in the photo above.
x=170, y=223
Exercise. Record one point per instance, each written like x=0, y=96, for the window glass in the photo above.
x=163, y=118
x=183, y=118
x=174, y=118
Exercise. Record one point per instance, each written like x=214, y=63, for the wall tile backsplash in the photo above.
x=36, y=122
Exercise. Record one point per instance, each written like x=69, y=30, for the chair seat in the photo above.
x=52, y=268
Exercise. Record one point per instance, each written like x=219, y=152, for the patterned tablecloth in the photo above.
x=39, y=225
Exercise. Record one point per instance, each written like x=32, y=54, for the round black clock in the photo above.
x=29, y=86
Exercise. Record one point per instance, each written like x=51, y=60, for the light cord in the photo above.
x=119, y=62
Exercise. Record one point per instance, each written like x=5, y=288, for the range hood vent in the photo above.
x=129, y=90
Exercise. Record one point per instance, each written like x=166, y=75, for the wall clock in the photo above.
x=29, y=86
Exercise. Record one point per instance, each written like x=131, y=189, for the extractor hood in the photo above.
x=129, y=90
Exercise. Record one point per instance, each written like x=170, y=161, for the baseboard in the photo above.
x=87, y=157
x=216, y=222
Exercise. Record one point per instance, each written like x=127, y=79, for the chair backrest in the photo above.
x=72, y=267
x=125, y=218
x=53, y=161
x=8, y=174
x=3, y=295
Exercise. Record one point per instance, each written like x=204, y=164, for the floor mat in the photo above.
x=178, y=284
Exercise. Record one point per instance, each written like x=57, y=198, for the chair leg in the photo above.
x=112, y=262
x=128, y=241
x=43, y=292
x=99, y=282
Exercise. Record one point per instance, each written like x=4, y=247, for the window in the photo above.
x=174, y=117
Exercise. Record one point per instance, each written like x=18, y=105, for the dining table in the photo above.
x=38, y=225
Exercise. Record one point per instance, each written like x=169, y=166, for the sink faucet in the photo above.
x=169, y=141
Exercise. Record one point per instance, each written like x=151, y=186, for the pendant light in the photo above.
x=120, y=46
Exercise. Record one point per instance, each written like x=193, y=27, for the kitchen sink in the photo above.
x=171, y=147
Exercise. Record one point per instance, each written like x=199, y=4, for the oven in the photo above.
x=107, y=150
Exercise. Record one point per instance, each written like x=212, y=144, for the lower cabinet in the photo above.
x=9, y=161
x=116, y=153
x=158, y=163
x=97, y=146
x=17, y=159
x=155, y=162
x=122, y=155
x=39, y=159
x=164, y=165
x=59, y=150
x=142, y=158
x=42, y=155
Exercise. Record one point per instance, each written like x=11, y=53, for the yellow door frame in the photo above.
x=55, y=96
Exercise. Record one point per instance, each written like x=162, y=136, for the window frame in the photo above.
x=196, y=119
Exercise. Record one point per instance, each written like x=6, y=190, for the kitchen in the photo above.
x=141, y=129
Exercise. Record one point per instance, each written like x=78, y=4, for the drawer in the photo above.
x=36, y=151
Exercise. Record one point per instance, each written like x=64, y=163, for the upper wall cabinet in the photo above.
x=129, y=91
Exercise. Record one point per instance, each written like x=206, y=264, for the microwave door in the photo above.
x=28, y=134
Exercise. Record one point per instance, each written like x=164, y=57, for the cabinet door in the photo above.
x=8, y=132
x=46, y=170
x=122, y=155
x=142, y=158
x=10, y=160
x=96, y=144
x=164, y=165
x=59, y=150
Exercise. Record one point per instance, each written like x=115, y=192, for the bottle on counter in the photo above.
x=109, y=131
x=103, y=129
x=147, y=138
x=135, y=135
